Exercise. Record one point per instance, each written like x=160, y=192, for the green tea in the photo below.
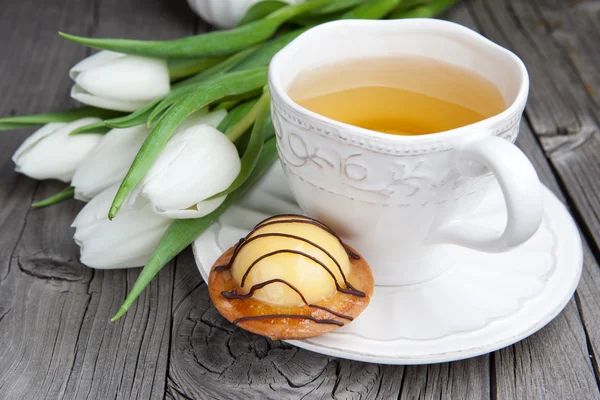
x=400, y=96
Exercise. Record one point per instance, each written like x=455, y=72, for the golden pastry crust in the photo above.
x=290, y=328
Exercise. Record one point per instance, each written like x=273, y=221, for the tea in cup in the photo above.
x=392, y=132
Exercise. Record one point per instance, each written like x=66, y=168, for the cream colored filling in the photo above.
x=310, y=278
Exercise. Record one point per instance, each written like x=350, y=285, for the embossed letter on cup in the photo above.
x=404, y=201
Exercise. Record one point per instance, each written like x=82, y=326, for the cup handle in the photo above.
x=522, y=192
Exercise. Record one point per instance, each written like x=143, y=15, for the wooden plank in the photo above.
x=29, y=327
x=570, y=30
x=558, y=102
x=45, y=290
x=54, y=312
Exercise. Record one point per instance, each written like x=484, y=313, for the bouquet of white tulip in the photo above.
x=175, y=131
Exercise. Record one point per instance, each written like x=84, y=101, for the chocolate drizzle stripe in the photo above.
x=293, y=316
x=330, y=311
x=234, y=295
x=288, y=236
x=305, y=220
x=350, y=289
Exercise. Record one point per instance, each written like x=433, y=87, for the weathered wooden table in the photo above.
x=56, y=340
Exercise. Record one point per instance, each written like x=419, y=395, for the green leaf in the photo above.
x=260, y=10
x=255, y=144
x=210, y=44
x=227, y=85
x=138, y=117
x=406, y=5
x=226, y=105
x=182, y=68
x=58, y=116
x=309, y=21
x=430, y=10
x=218, y=69
x=240, y=98
x=374, y=9
x=184, y=88
x=336, y=6
x=66, y=194
x=183, y=232
x=262, y=57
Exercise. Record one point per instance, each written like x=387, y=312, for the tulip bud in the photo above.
x=50, y=153
x=109, y=162
x=196, y=164
x=127, y=241
x=118, y=81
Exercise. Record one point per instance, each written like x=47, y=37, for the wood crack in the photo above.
x=20, y=236
x=589, y=345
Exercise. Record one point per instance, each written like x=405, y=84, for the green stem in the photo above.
x=429, y=10
x=236, y=114
x=24, y=121
x=246, y=122
x=66, y=194
x=97, y=127
x=289, y=12
x=182, y=68
x=375, y=9
x=255, y=144
x=260, y=10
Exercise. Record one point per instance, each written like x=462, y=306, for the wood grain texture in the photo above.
x=56, y=341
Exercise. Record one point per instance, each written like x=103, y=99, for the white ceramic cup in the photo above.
x=404, y=201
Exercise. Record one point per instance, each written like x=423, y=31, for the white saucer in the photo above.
x=486, y=302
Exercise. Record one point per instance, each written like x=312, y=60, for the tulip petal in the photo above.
x=79, y=94
x=200, y=210
x=195, y=165
x=95, y=60
x=128, y=78
x=127, y=241
x=50, y=153
x=108, y=163
x=35, y=138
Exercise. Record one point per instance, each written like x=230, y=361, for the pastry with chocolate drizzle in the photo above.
x=291, y=277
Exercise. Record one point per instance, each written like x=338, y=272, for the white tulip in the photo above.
x=126, y=241
x=118, y=81
x=109, y=162
x=196, y=164
x=50, y=153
